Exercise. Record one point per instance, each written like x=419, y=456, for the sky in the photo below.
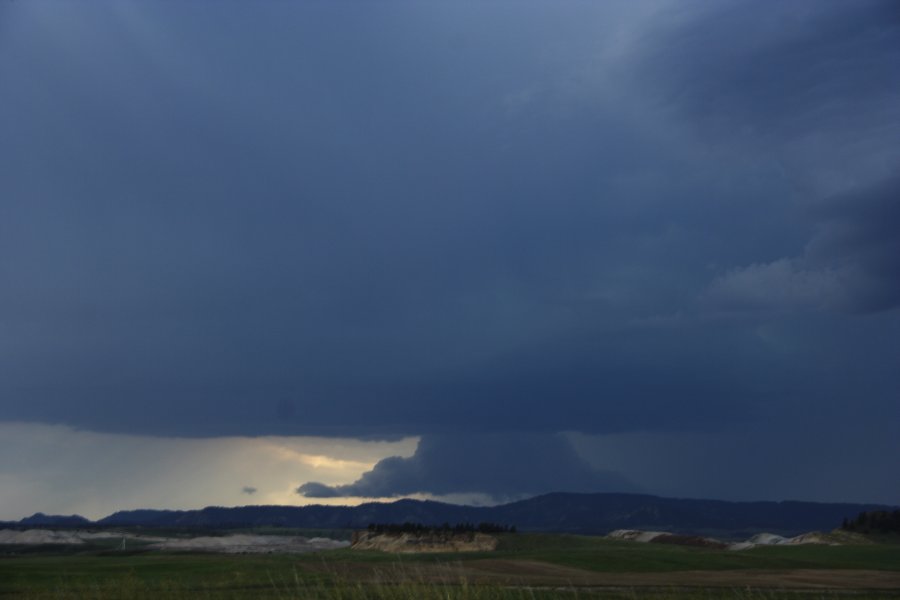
x=472, y=251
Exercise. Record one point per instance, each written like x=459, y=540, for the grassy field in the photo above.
x=524, y=566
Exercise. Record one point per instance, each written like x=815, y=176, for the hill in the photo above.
x=558, y=512
x=42, y=520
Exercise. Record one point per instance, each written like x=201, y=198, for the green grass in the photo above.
x=614, y=556
x=100, y=572
x=149, y=572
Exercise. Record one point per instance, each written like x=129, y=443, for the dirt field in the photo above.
x=541, y=574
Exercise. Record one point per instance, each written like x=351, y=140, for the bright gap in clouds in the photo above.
x=60, y=470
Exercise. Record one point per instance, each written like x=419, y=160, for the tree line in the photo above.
x=445, y=528
x=874, y=521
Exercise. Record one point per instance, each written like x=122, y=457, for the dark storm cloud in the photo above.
x=851, y=263
x=385, y=219
x=782, y=71
x=858, y=232
x=503, y=466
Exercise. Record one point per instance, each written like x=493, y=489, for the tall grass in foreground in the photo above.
x=296, y=588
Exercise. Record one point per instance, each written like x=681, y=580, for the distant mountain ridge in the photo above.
x=41, y=520
x=556, y=512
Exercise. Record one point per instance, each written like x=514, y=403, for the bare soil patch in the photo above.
x=541, y=574
x=419, y=543
x=229, y=544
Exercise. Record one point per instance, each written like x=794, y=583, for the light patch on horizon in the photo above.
x=317, y=461
x=57, y=469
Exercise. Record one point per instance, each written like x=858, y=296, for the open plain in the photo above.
x=522, y=566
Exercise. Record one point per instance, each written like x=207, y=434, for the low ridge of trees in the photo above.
x=446, y=528
x=874, y=521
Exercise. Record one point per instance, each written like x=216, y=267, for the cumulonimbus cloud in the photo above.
x=502, y=466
